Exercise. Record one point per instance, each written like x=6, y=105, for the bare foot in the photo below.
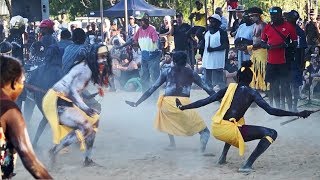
x=171, y=147
x=246, y=170
x=90, y=163
x=52, y=157
x=222, y=160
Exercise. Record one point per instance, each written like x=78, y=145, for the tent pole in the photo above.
x=101, y=25
x=126, y=16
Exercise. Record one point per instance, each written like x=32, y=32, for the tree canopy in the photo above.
x=82, y=7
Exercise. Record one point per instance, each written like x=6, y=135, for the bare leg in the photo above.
x=172, y=145
x=223, y=157
x=89, y=143
x=204, y=137
x=41, y=127
x=72, y=118
x=250, y=133
x=29, y=105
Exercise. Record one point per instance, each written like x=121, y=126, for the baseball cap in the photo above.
x=179, y=14
x=141, y=15
x=47, y=23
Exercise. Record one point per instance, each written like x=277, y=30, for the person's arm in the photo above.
x=214, y=97
x=277, y=112
x=224, y=41
x=18, y=136
x=129, y=42
x=198, y=81
x=158, y=83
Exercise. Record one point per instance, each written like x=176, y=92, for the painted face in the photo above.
x=18, y=87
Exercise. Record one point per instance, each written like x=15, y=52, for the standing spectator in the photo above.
x=232, y=5
x=76, y=52
x=243, y=38
x=147, y=38
x=165, y=31
x=297, y=65
x=133, y=27
x=199, y=24
x=274, y=38
x=237, y=22
x=312, y=31
x=259, y=54
x=214, y=56
x=181, y=40
x=17, y=30
x=224, y=21
x=31, y=36
x=65, y=39
x=46, y=30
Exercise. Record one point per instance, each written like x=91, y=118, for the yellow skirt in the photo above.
x=228, y=131
x=172, y=120
x=50, y=111
x=259, y=60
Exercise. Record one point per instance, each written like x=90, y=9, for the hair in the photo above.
x=256, y=10
x=168, y=18
x=5, y=47
x=78, y=36
x=11, y=70
x=65, y=34
x=179, y=58
x=92, y=62
x=245, y=74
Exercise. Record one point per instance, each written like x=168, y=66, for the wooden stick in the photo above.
x=294, y=119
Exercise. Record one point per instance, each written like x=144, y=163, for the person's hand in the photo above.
x=178, y=104
x=132, y=104
x=210, y=49
x=305, y=113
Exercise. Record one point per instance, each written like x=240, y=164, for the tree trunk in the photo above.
x=9, y=7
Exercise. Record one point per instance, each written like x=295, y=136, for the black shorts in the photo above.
x=277, y=72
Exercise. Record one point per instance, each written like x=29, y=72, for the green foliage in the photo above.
x=81, y=7
x=75, y=8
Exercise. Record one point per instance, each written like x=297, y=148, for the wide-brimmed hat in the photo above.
x=240, y=8
x=215, y=16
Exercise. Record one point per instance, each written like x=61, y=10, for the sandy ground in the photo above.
x=129, y=147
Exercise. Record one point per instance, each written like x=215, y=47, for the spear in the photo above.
x=294, y=119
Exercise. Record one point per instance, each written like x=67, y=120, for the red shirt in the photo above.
x=269, y=35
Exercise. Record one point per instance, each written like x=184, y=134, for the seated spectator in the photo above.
x=230, y=71
x=129, y=69
x=136, y=54
x=311, y=75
